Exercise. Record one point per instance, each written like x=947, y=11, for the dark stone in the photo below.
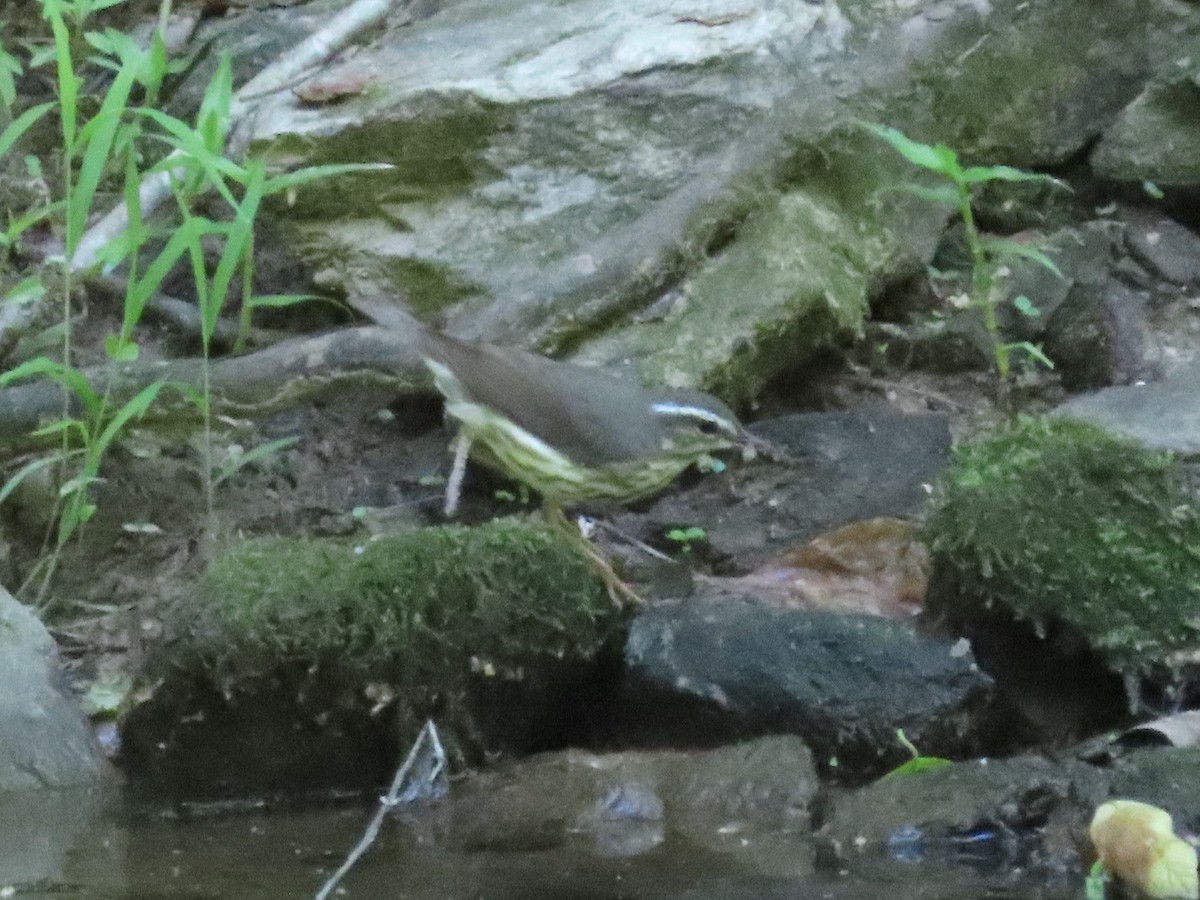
x=724, y=665
x=849, y=465
x=1164, y=415
x=1025, y=812
x=1165, y=777
x=1166, y=248
x=1097, y=337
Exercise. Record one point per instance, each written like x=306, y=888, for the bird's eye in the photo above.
x=707, y=426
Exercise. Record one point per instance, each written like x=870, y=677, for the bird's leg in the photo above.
x=618, y=591
x=461, y=446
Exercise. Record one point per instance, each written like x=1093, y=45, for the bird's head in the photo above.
x=694, y=423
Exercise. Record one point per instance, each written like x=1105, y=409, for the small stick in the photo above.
x=386, y=803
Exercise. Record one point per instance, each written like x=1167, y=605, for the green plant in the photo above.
x=114, y=144
x=1095, y=884
x=918, y=763
x=686, y=537
x=988, y=253
x=1061, y=525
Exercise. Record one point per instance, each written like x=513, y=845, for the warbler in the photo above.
x=573, y=433
x=569, y=432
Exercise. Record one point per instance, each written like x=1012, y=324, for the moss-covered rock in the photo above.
x=1060, y=523
x=304, y=666
x=426, y=605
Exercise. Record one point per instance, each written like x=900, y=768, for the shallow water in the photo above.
x=89, y=847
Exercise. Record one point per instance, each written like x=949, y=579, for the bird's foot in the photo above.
x=618, y=591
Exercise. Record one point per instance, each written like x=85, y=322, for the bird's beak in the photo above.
x=753, y=446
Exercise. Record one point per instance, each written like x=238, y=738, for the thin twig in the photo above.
x=386, y=803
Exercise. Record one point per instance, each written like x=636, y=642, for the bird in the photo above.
x=571, y=433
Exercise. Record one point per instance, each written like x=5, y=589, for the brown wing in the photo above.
x=591, y=416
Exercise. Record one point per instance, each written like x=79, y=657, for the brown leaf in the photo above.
x=875, y=567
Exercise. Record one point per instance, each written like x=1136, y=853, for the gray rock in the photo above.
x=45, y=741
x=1163, y=415
x=561, y=165
x=1098, y=337
x=849, y=465
x=720, y=664
x=734, y=800
x=40, y=829
x=1025, y=811
x=1163, y=246
x=1157, y=136
x=1163, y=776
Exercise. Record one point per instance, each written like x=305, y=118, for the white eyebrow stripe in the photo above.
x=696, y=412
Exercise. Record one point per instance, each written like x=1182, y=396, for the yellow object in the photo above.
x=1136, y=842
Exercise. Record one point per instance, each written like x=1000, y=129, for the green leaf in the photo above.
x=236, y=249
x=1094, y=884
x=26, y=290
x=10, y=66
x=22, y=123
x=1033, y=351
x=57, y=427
x=97, y=150
x=917, y=765
x=275, y=301
x=269, y=448
x=156, y=66
x=70, y=378
x=23, y=223
x=188, y=142
x=1025, y=307
x=977, y=174
x=212, y=119
x=120, y=349
x=134, y=407
x=1152, y=190
x=945, y=194
x=289, y=180
x=68, y=84
x=937, y=159
x=1004, y=248
x=76, y=485
x=186, y=237
x=24, y=472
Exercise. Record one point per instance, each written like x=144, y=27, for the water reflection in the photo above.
x=90, y=847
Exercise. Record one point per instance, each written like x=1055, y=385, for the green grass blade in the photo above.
x=24, y=472
x=289, y=180
x=97, y=151
x=1005, y=248
x=260, y=452
x=187, y=235
x=133, y=408
x=22, y=123
x=68, y=377
x=236, y=246
x=187, y=141
x=23, y=223
x=938, y=159
x=212, y=119
x=977, y=174
x=68, y=85
x=277, y=301
x=25, y=291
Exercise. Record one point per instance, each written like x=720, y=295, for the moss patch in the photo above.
x=1062, y=522
x=428, y=606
